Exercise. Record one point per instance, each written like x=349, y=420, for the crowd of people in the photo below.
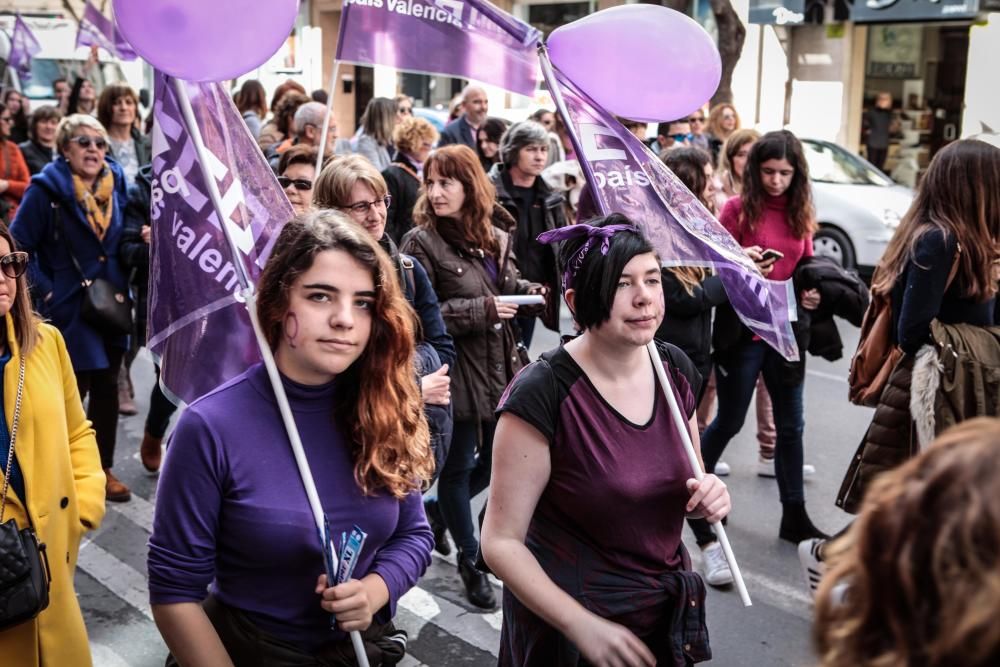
x=391, y=302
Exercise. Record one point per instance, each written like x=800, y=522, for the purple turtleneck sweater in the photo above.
x=231, y=511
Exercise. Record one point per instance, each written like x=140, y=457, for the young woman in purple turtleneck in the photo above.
x=774, y=213
x=232, y=520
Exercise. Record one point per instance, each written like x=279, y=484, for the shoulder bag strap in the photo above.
x=954, y=267
x=61, y=229
x=6, y=160
x=13, y=439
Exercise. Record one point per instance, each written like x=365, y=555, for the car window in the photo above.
x=832, y=164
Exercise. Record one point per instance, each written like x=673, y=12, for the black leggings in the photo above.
x=160, y=410
x=102, y=409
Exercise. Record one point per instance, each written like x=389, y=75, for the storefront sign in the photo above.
x=871, y=11
x=777, y=12
x=895, y=51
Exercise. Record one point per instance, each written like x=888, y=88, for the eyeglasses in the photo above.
x=406, y=111
x=14, y=264
x=682, y=137
x=85, y=142
x=696, y=119
x=361, y=208
x=301, y=184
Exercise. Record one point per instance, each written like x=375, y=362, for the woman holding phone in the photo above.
x=773, y=219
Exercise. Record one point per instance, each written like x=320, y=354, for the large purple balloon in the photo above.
x=643, y=62
x=206, y=40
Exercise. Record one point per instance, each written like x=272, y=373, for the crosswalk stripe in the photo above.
x=452, y=619
x=103, y=656
x=120, y=578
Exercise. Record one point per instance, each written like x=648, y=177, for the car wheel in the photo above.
x=833, y=243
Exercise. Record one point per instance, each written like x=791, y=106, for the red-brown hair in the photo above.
x=378, y=402
x=461, y=163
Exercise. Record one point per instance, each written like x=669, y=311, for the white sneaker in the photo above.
x=717, y=572
x=722, y=469
x=812, y=567
x=765, y=468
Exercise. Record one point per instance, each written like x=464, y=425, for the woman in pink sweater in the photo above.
x=774, y=221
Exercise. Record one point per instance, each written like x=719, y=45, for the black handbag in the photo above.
x=24, y=567
x=105, y=307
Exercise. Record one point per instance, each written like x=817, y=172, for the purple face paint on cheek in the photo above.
x=291, y=329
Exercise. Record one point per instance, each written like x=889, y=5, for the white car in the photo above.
x=857, y=206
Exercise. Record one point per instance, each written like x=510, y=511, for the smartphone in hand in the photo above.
x=770, y=256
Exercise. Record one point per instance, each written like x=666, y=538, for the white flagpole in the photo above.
x=250, y=300
x=329, y=115
x=675, y=412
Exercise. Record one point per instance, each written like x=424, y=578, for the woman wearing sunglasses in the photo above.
x=70, y=220
x=55, y=483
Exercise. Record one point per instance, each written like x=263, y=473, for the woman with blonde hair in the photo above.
x=237, y=518
x=50, y=470
x=722, y=122
x=71, y=221
x=915, y=582
x=414, y=139
x=460, y=240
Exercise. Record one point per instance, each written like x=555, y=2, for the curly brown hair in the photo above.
x=378, y=401
x=779, y=145
x=461, y=163
x=916, y=580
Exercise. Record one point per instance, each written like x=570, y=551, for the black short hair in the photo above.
x=596, y=279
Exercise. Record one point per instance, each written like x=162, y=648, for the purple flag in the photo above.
x=197, y=323
x=470, y=39
x=97, y=29
x=634, y=182
x=23, y=47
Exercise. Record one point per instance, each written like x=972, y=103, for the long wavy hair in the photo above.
x=779, y=145
x=916, y=580
x=959, y=195
x=378, y=402
x=460, y=163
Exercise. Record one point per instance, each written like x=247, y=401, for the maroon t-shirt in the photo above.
x=611, y=515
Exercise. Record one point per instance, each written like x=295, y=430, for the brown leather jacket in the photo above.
x=486, y=346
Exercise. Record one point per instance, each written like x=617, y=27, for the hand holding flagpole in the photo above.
x=250, y=300
x=675, y=412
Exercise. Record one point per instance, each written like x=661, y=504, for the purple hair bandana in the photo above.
x=592, y=233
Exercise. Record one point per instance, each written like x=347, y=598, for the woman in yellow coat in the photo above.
x=57, y=467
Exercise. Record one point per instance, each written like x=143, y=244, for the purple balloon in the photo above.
x=206, y=40
x=643, y=62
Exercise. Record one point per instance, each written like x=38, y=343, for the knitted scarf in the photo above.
x=97, y=201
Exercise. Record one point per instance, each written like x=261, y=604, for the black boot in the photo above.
x=436, y=521
x=477, y=585
x=796, y=525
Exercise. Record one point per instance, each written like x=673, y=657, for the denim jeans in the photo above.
x=466, y=473
x=735, y=381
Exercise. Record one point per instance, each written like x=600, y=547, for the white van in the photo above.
x=59, y=58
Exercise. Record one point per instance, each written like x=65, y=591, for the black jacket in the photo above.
x=133, y=252
x=687, y=322
x=842, y=294
x=553, y=204
x=404, y=186
x=36, y=156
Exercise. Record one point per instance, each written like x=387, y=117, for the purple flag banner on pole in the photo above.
x=198, y=324
x=470, y=39
x=23, y=47
x=631, y=180
x=97, y=29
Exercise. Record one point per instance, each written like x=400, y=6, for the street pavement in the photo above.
x=446, y=631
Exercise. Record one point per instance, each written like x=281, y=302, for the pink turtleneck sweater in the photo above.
x=772, y=231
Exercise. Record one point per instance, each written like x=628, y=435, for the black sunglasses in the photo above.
x=300, y=184
x=14, y=265
x=85, y=142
